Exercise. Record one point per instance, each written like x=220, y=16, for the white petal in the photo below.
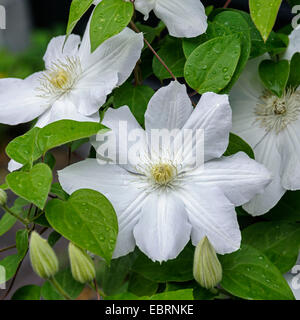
x=294, y=45
x=183, y=18
x=118, y=54
x=266, y=152
x=117, y=185
x=244, y=97
x=163, y=229
x=19, y=102
x=213, y=115
x=14, y=165
x=90, y=93
x=122, y=124
x=65, y=110
x=169, y=108
x=144, y=6
x=212, y=215
x=58, y=51
x=289, y=148
x=238, y=176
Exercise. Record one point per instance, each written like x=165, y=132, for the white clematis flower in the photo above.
x=271, y=125
x=183, y=18
x=161, y=202
x=75, y=83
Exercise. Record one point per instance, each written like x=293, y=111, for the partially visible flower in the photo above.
x=43, y=258
x=75, y=83
x=82, y=266
x=183, y=18
x=162, y=201
x=3, y=197
x=207, y=267
x=271, y=125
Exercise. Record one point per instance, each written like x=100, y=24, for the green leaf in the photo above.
x=294, y=78
x=249, y=274
x=185, y=294
x=53, y=238
x=10, y=265
x=36, y=142
x=178, y=270
x=33, y=186
x=64, y=131
x=77, y=10
x=141, y=286
x=6, y=223
x=29, y=292
x=109, y=18
x=88, y=219
x=190, y=44
x=211, y=66
x=264, y=14
x=172, y=54
x=136, y=98
x=78, y=143
x=113, y=277
x=228, y=23
x=278, y=240
x=23, y=149
x=200, y=293
x=288, y=208
x=274, y=75
x=237, y=144
x=22, y=242
x=57, y=189
x=67, y=282
x=277, y=43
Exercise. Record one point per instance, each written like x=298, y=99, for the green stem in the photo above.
x=24, y=221
x=8, y=248
x=97, y=290
x=59, y=288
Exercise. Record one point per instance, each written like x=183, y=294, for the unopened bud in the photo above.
x=207, y=267
x=82, y=265
x=3, y=197
x=43, y=258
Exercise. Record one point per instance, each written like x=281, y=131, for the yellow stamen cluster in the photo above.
x=163, y=173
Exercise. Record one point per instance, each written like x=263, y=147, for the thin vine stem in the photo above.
x=8, y=248
x=136, y=29
x=227, y=4
x=59, y=288
x=24, y=221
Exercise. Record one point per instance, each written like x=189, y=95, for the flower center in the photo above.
x=163, y=173
x=60, y=78
x=276, y=113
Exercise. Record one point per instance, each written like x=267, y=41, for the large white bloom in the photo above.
x=161, y=202
x=271, y=125
x=183, y=18
x=75, y=83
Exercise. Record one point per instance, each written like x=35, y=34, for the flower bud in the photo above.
x=43, y=258
x=207, y=268
x=82, y=266
x=3, y=197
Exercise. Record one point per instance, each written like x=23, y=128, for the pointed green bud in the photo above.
x=207, y=267
x=43, y=258
x=3, y=197
x=82, y=265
